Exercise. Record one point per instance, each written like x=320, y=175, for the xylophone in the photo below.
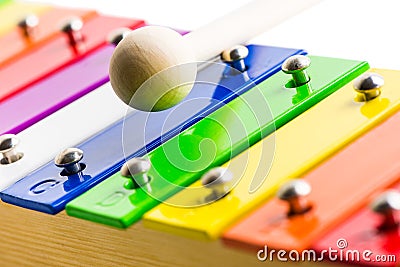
x=270, y=156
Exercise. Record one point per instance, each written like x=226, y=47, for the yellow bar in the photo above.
x=300, y=145
x=13, y=12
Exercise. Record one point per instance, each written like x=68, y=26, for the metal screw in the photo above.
x=386, y=204
x=295, y=192
x=117, y=35
x=8, y=144
x=235, y=57
x=219, y=181
x=73, y=29
x=136, y=169
x=296, y=66
x=69, y=160
x=368, y=85
x=28, y=25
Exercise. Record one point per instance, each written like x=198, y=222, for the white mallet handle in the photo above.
x=241, y=25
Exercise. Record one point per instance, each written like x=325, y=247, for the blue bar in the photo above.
x=46, y=190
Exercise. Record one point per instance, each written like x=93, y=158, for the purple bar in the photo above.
x=58, y=90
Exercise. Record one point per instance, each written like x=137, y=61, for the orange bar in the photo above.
x=14, y=44
x=340, y=187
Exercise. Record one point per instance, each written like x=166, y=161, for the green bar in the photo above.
x=213, y=141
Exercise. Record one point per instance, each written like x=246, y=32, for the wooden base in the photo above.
x=30, y=238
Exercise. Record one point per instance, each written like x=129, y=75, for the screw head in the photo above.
x=117, y=35
x=216, y=177
x=387, y=202
x=30, y=21
x=368, y=81
x=67, y=157
x=295, y=64
x=8, y=142
x=135, y=166
x=294, y=189
x=235, y=53
x=72, y=25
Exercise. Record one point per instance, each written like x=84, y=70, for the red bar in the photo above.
x=58, y=53
x=340, y=187
x=359, y=233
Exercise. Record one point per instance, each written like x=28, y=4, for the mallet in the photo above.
x=157, y=50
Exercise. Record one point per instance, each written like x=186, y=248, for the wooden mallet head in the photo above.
x=154, y=68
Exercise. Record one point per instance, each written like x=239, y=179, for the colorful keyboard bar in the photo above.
x=85, y=124
x=32, y=138
x=361, y=229
x=55, y=94
x=360, y=240
x=56, y=91
x=16, y=43
x=355, y=172
x=262, y=62
x=299, y=146
x=211, y=142
x=13, y=11
x=57, y=53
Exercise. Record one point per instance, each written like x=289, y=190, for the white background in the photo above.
x=353, y=29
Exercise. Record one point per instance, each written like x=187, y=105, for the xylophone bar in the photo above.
x=212, y=141
x=361, y=228
x=49, y=95
x=30, y=238
x=361, y=233
x=33, y=140
x=104, y=153
x=58, y=53
x=11, y=12
x=301, y=145
x=354, y=172
x=15, y=44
